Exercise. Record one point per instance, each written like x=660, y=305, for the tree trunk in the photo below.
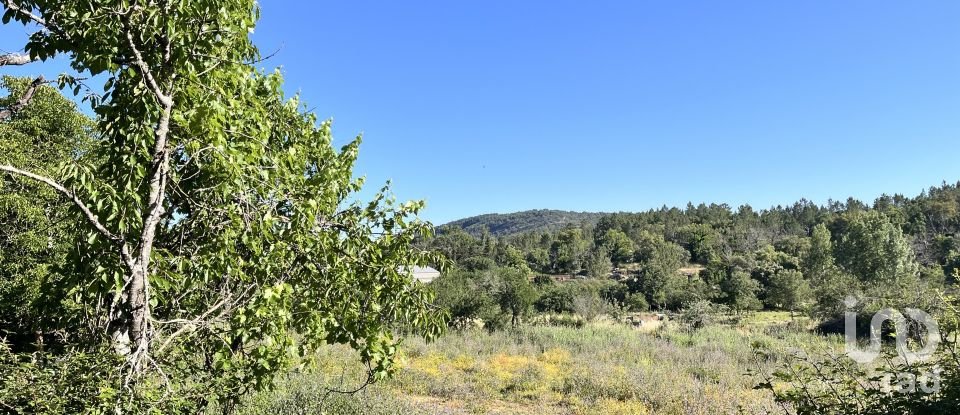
x=139, y=314
x=15, y=59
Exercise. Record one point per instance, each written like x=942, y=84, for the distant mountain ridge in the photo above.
x=540, y=220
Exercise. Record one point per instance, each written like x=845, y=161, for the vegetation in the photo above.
x=507, y=224
x=802, y=257
x=602, y=367
x=709, y=265
x=196, y=236
x=195, y=244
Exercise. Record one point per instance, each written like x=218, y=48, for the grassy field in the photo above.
x=603, y=367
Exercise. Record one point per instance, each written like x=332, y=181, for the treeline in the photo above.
x=803, y=257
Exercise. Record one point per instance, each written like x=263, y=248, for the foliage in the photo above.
x=658, y=277
x=467, y=295
x=597, y=264
x=516, y=294
x=702, y=241
x=741, y=291
x=788, y=290
x=35, y=228
x=567, y=251
x=478, y=263
x=487, y=295
x=702, y=314
x=636, y=302
x=556, y=299
x=590, y=305
x=221, y=237
x=617, y=245
x=875, y=251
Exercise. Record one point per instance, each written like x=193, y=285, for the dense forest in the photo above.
x=800, y=257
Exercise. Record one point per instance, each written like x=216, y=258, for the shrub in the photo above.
x=701, y=314
x=590, y=306
x=477, y=264
x=637, y=302
x=555, y=300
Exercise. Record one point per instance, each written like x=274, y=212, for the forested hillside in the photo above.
x=706, y=263
x=507, y=224
x=800, y=256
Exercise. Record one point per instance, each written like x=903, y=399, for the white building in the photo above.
x=425, y=274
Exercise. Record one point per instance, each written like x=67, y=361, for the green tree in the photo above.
x=741, y=291
x=636, y=302
x=539, y=259
x=617, y=245
x=467, y=295
x=702, y=241
x=830, y=285
x=220, y=240
x=788, y=290
x=818, y=262
x=875, y=251
x=660, y=261
x=36, y=230
x=477, y=263
x=597, y=264
x=455, y=244
x=516, y=294
x=555, y=299
x=567, y=251
x=509, y=256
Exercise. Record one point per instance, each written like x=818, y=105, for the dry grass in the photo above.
x=600, y=368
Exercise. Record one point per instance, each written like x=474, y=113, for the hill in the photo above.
x=540, y=220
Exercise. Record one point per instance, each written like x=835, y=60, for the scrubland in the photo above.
x=601, y=367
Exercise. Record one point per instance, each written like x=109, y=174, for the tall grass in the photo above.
x=598, y=368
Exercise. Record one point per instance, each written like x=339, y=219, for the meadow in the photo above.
x=602, y=367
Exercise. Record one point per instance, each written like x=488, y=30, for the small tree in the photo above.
x=660, y=261
x=617, y=245
x=741, y=291
x=590, y=305
x=568, y=250
x=788, y=290
x=598, y=265
x=516, y=294
x=818, y=262
x=876, y=251
x=466, y=295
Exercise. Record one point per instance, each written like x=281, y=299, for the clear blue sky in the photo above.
x=499, y=106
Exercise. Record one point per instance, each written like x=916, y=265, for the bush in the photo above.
x=555, y=300
x=590, y=306
x=82, y=382
x=543, y=281
x=477, y=264
x=559, y=320
x=637, y=302
x=701, y=314
x=466, y=295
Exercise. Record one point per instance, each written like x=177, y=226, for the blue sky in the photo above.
x=500, y=106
